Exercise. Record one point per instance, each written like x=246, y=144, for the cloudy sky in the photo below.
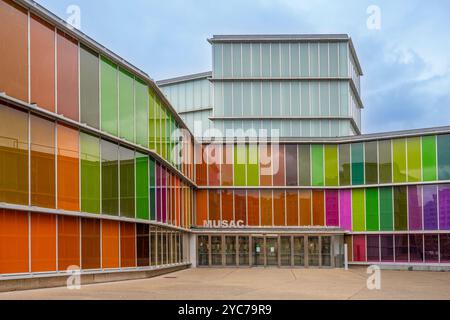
x=406, y=62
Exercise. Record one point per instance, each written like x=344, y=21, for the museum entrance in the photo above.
x=307, y=251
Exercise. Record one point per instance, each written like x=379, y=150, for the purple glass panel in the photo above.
x=430, y=207
x=164, y=196
x=415, y=207
x=373, y=248
x=416, y=247
x=332, y=208
x=401, y=248
x=445, y=248
x=387, y=248
x=431, y=248
x=345, y=207
x=158, y=193
x=444, y=207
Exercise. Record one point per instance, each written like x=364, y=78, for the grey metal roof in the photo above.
x=189, y=77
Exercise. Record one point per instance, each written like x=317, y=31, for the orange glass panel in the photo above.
x=68, y=242
x=265, y=163
x=253, y=207
x=202, y=206
x=318, y=208
x=227, y=165
x=214, y=205
x=227, y=205
x=42, y=63
x=68, y=169
x=177, y=201
x=14, y=50
x=266, y=208
x=279, y=205
x=13, y=240
x=214, y=157
x=292, y=207
x=42, y=162
x=127, y=245
x=305, y=207
x=90, y=243
x=13, y=155
x=201, y=166
x=110, y=244
x=278, y=166
x=240, y=206
x=43, y=242
x=68, y=93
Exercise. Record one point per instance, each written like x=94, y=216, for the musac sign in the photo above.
x=223, y=224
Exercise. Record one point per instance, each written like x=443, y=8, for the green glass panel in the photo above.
x=359, y=223
x=414, y=161
x=386, y=218
x=163, y=131
x=429, y=158
x=158, y=125
x=372, y=209
x=109, y=97
x=126, y=105
x=443, y=146
x=152, y=120
x=331, y=165
x=142, y=186
x=399, y=159
x=317, y=165
x=110, y=178
x=252, y=165
x=152, y=189
x=239, y=164
x=385, y=161
x=304, y=165
x=142, y=103
x=400, y=208
x=357, y=164
x=90, y=173
x=127, y=208
x=344, y=165
x=371, y=162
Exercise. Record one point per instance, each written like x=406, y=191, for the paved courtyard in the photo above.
x=242, y=284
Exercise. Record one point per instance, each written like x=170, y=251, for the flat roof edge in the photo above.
x=277, y=37
x=189, y=77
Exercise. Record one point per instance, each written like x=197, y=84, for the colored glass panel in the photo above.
x=266, y=164
x=240, y=156
x=371, y=162
x=359, y=248
x=445, y=248
x=127, y=192
x=400, y=209
x=386, y=209
x=399, y=159
x=291, y=165
x=110, y=244
x=253, y=207
x=227, y=205
x=266, y=208
x=90, y=173
x=317, y=165
x=443, y=147
x=68, y=242
x=414, y=160
x=429, y=171
x=42, y=63
x=372, y=209
x=332, y=208
x=152, y=120
x=387, y=248
x=444, y=207
x=373, y=248
x=252, y=165
x=201, y=168
x=401, y=248
x=89, y=87
x=201, y=206
x=292, y=207
x=344, y=165
x=143, y=245
x=227, y=166
x=127, y=245
x=304, y=165
x=357, y=151
x=43, y=242
x=385, y=161
x=213, y=157
x=240, y=206
x=90, y=243
x=68, y=168
x=141, y=109
x=416, y=248
x=126, y=105
x=358, y=213
x=13, y=155
x=214, y=205
x=345, y=209
x=14, y=50
x=431, y=248
x=279, y=208
x=430, y=205
x=109, y=96
x=305, y=207
x=110, y=178
x=142, y=186
x=279, y=170
x=67, y=76
x=415, y=207
x=318, y=207
x=152, y=176
x=331, y=165
x=43, y=189
x=13, y=239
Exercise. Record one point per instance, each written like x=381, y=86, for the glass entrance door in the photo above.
x=216, y=250
x=313, y=251
x=258, y=251
x=244, y=251
x=299, y=251
x=285, y=251
x=326, y=251
x=230, y=250
x=272, y=251
x=203, y=251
